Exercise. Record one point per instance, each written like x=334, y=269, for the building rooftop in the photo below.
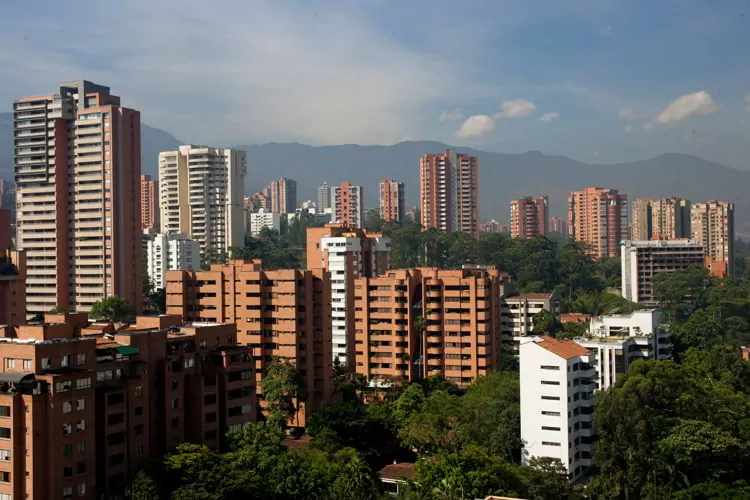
x=397, y=471
x=566, y=349
x=532, y=296
x=683, y=242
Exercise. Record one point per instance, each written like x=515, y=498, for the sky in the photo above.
x=601, y=81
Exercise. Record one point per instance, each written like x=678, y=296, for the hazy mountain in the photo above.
x=503, y=176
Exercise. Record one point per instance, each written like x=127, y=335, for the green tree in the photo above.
x=195, y=472
x=434, y=427
x=143, y=487
x=546, y=322
x=410, y=401
x=283, y=390
x=113, y=309
x=356, y=482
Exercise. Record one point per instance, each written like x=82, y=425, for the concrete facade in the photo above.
x=392, y=201
x=283, y=195
x=149, y=203
x=712, y=226
x=449, y=192
x=264, y=219
x=529, y=217
x=599, y=218
x=347, y=205
x=667, y=219
x=170, y=252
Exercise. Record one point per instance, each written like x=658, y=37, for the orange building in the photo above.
x=392, y=200
x=283, y=196
x=452, y=316
x=77, y=172
x=149, y=202
x=449, y=192
x=12, y=277
x=529, y=217
x=598, y=217
x=284, y=313
x=347, y=205
x=83, y=406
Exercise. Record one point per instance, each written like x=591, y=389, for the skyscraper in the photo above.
x=283, y=196
x=449, y=192
x=149, y=202
x=529, y=217
x=392, y=200
x=324, y=197
x=77, y=171
x=558, y=225
x=666, y=219
x=348, y=205
x=598, y=217
x=712, y=226
x=201, y=192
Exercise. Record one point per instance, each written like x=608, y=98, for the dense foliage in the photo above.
x=112, y=309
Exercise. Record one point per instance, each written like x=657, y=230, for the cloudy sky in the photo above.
x=598, y=80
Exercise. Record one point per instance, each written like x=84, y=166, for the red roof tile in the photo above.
x=566, y=349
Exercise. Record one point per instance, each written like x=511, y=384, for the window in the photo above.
x=551, y=398
x=67, y=406
x=82, y=489
x=549, y=443
x=67, y=429
x=83, y=383
x=189, y=363
x=139, y=430
x=6, y=496
x=138, y=391
x=4, y=432
x=4, y=477
x=4, y=454
x=550, y=382
x=67, y=471
x=246, y=409
x=81, y=425
x=81, y=467
x=80, y=404
x=67, y=450
x=10, y=364
x=82, y=447
x=27, y=365
x=68, y=492
x=550, y=367
x=138, y=411
x=4, y=411
x=63, y=386
x=175, y=403
x=545, y=428
x=139, y=450
x=46, y=364
x=65, y=360
x=551, y=413
x=81, y=358
x=175, y=385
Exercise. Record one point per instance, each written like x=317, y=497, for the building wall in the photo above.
x=599, y=218
x=529, y=217
x=283, y=195
x=80, y=137
x=392, y=200
x=263, y=219
x=449, y=192
x=712, y=226
x=348, y=205
x=324, y=197
x=149, y=203
x=518, y=313
x=170, y=252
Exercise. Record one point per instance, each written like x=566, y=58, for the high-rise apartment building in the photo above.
x=12, y=277
x=170, y=252
x=324, y=197
x=263, y=219
x=149, y=203
x=414, y=323
x=598, y=217
x=529, y=217
x=519, y=310
x=712, y=226
x=558, y=226
x=392, y=200
x=283, y=196
x=347, y=205
x=201, y=195
x=449, y=192
x=642, y=260
x=77, y=171
x=667, y=219
x=284, y=313
x=87, y=405
x=347, y=253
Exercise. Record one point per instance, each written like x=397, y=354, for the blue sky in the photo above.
x=598, y=80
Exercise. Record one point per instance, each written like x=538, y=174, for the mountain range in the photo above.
x=503, y=176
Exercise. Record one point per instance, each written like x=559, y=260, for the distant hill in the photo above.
x=503, y=176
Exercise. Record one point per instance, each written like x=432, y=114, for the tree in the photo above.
x=195, y=472
x=143, y=487
x=356, y=482
x=434, y=427
x=410, y=401
x=283, y=390
x=546, y=322
x=154, y=301
x=112, y=309
x=212, y=255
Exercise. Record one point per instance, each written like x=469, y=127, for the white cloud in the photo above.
x=648, y=126
x=626, y=114
x=548, y=117
x=452, y=116
x=699, y=103
x=475, y=126
x=628, y=128
x=517, y=108
x=747, y=103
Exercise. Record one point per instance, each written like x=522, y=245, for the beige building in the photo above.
x=201, y=195
x=77, y=172
x=529, y=217
x=712, y=226
x=599, y=218
x=449, y=192
x=667, y=219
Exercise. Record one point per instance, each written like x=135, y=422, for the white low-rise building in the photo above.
x=170, y=252
x=558, y=381
x=264, y=219
x=518, y=311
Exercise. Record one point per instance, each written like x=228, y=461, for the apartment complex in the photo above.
x=201, y=195
x=558, y=379
x=598, y=217
x=414, y=323
x=170, y=252
x=347, y=253
x=642, y=260
x=392, y=200
x=85, y=406
x=712, y=226
x=149, y=203
x=347, y=205
x=263, y=219
x=558, y=226
x=12, y=277
x=449, y=192
x=529, y=217
x=284, y=313
x=519, y=309
x=324, y=197
x=283, y=195
x=77, y=162
x=667, y=219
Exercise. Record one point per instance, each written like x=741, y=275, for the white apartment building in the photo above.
x=518, y=311
x=618, y=340
x=712, y=225
x=642, y=260
x=170, y=252
x=201, y=191
x=264, y=219
x=558, y=381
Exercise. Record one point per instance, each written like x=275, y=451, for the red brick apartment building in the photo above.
x=453, y=316
x=284, y=313
x=83, y=406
